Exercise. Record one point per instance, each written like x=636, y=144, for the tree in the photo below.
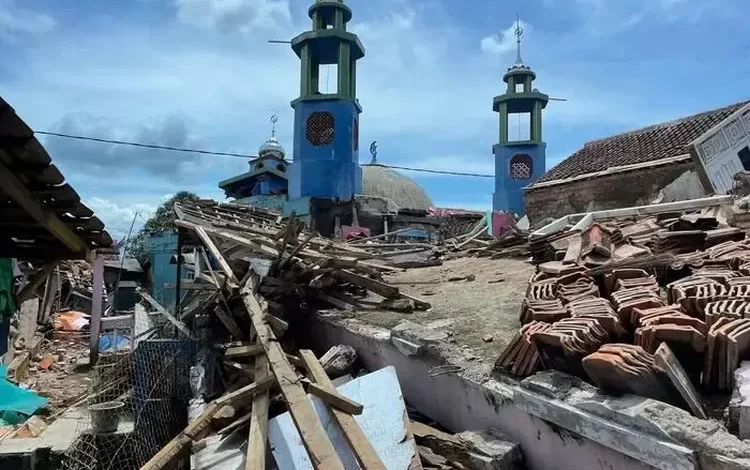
x=162, y=221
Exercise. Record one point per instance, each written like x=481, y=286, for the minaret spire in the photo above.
x=519, y=33
x=274, y=119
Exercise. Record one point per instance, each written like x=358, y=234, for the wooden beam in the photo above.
x=258, y=438
x=36, y=280
x=361, y=446
x=336, y=400
x=97, y=289
x=17, y=190
x=378, y=287
x=232, y=279
x=177, y=323
x=243, y=351
x=322, y=454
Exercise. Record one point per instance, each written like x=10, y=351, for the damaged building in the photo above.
x=632, y=168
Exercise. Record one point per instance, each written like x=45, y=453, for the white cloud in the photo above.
x=505, y=42
x=231, y=16
x=118, y=218
x=16, y=21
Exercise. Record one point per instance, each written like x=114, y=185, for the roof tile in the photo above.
x=669, y=139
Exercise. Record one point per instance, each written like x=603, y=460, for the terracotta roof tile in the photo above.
x=669, y=139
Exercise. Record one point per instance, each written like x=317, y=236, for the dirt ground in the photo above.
x=471, y=310
x=59, y=373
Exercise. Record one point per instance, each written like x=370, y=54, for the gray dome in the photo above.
x=272, y=146
x=404, y=192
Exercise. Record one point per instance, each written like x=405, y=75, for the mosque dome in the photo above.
x=272, y=146
x=404, y=192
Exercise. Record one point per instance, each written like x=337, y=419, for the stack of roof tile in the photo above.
x=732, y=309
x=728, y=343
x=624, y=368
x=565, y=343
x=521, y=357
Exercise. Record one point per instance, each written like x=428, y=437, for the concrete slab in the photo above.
x=493, y=450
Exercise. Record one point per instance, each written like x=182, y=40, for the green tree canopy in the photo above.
x=162, y=221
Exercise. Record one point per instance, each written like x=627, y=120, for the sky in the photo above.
x=201, y=74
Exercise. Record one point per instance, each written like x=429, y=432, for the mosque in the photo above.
x=325, y=184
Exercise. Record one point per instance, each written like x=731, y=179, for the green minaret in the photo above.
x=518, y=163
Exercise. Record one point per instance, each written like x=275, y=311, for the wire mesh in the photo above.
x=137, y=404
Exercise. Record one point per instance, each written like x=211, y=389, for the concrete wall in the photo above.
x=630, y=188
x=462, y=404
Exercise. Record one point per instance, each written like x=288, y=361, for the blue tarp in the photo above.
x=113, y=342
x=16, y=404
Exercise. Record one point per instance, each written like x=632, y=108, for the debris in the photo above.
x=70, y=321
x=492, y=450
x=488, y=338
x=339, y=360
x=46, y=362
x=383, y=423
x=33, y=427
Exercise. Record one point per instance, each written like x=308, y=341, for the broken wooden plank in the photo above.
x=36, y=280
x=363, y=449
x=331, y=398
x=258, y=437
x=373, y=285
x=206, y=239
x=177, y=323
x=335, y=302
x=316, y=441
x=228, y=322
x=243, y=351
x=279, y=326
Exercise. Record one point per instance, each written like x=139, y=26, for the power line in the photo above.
x=236, y=155
x=142, y=145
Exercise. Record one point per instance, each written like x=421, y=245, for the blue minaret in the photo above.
x=518, y=162
x=326, y=121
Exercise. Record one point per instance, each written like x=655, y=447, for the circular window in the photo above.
x=521, y=167
x=320, y=128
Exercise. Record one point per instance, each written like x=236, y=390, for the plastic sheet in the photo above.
x=16, y=404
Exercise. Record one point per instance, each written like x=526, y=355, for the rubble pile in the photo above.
x=656, y=306
x=264, y=276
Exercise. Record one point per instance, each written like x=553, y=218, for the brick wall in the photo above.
x=626, y=189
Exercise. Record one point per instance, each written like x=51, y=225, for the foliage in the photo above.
x=161, y=222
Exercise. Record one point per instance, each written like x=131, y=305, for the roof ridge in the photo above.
x=666, y=124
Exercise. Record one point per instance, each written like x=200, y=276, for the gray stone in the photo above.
x=739, y=406
x=413, y=339
x=492, y=450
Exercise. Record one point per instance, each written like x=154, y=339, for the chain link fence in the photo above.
x=138, y=403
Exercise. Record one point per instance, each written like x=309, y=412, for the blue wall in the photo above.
x=509, y=192
x=330, y=171
x=160, y=249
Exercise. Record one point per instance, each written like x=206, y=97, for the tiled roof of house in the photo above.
x=669, y=139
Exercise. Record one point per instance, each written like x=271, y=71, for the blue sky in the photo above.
x=200, y=73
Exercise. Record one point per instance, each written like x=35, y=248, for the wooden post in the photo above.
x=178, y=282
x=96, y=309
x=322, y=454
x=257, y=442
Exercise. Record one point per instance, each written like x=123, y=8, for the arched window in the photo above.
x=521, y=167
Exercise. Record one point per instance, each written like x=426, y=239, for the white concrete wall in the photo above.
x=718, y=149
x=461, y=404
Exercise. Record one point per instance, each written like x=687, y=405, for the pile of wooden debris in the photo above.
x=255, y=278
